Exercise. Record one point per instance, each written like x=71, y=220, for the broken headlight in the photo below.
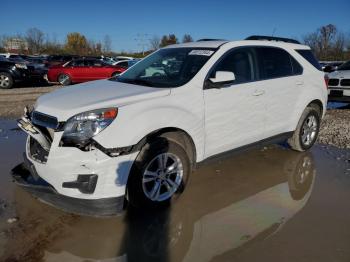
x=80, y=128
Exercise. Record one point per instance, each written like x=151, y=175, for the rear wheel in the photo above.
x=159, y=174
x=6, y=81
x=64, y=79
x=306, y=133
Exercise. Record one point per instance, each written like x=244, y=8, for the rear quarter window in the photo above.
x=309, y=56
x=274, y=63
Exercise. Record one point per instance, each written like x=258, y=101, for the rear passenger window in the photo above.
x=240, y=62
x=274, y=63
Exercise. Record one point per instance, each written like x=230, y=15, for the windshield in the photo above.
x=170, y=67
x=345, y=66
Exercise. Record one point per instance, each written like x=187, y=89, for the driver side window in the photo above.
x=240, y=62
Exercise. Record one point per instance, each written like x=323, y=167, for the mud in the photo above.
x=270, y=204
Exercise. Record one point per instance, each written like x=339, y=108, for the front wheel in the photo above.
x=307, y=130
x=64, y=79
x=159, y=174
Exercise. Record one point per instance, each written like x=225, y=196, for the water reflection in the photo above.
x=227, y=205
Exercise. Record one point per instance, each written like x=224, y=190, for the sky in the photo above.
x=127, y=20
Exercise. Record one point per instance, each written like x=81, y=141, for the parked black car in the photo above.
x=12, y=72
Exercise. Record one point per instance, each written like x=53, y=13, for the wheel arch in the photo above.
x=64, y=73
x=176, y=135
x=318, y=104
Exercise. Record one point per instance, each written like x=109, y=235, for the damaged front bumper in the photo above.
x=90, y=182
x=25, y=175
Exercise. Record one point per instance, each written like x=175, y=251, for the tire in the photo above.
x=6, y=80
x=305, y=136
x=64, y=79
x=158, y=191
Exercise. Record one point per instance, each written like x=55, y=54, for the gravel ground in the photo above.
x=335, y=129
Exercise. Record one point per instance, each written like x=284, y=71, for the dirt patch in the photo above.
x=12, y=101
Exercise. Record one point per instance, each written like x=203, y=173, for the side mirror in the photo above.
x=221, y=79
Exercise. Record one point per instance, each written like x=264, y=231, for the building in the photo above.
x=16, y=45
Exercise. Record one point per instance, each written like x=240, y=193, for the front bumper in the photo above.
x=338, y=94
x=77, y=178
x=25, y=175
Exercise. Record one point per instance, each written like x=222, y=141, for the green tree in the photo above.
x=187, y=38
x=76, y=43
x=168, y=40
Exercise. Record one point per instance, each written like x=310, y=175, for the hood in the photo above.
x=340, y=74
x=69, y=101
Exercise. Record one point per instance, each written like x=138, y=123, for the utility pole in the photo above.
x=142, y=40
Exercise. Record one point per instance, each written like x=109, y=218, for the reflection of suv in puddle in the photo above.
x=138, y=135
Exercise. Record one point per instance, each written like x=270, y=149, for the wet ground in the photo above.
x=270, y=204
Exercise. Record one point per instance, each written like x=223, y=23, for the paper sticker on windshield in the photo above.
x=201, y=52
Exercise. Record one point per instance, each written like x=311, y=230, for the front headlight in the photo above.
x=80, y=128
x=21, y=66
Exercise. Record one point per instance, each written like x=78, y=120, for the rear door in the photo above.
x=282, y=80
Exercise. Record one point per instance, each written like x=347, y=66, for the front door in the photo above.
x=234, y=114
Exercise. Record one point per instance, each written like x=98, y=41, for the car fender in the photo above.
x=136, y=121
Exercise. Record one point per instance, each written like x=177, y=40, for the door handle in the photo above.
x=258, y=92
x=299, y=83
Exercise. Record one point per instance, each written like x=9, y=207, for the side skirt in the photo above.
x=267, y=141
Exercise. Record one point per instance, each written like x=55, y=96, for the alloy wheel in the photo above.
x=309, y=130
x=4, y=81
x=162, y=177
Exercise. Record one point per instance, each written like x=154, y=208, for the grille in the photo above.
x=43, y=120
x=345, y=82
x=333, y=82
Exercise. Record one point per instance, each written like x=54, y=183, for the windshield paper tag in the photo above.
x=201, y=52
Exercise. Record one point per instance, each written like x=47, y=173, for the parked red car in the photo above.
x=82, y=70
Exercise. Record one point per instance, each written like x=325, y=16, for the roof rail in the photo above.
x=272, y=38
x=209, y=39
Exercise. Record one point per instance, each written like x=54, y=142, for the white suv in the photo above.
x=339, y=84
x=140, y=136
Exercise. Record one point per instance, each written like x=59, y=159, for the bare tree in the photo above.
x=154, y=42
x=35, y=39
x=327, y=43
x=107, y=44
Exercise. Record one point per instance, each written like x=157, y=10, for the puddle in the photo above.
x=271, y=204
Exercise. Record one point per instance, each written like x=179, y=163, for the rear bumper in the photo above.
x=25, y=176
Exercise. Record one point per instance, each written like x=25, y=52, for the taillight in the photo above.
x=326, y=79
